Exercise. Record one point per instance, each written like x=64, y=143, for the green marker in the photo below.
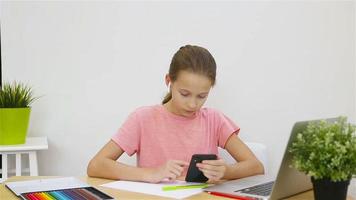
x=182, y=187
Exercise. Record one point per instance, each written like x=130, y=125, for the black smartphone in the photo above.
x=194, y=174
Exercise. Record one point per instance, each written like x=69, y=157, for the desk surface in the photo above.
x=121, y=194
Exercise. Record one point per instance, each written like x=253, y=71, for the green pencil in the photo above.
x=182, y=187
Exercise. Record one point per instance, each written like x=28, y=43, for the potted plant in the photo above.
x=15, y=100
x=326, y=151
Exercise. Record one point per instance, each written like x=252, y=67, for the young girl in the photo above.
x=165, y=137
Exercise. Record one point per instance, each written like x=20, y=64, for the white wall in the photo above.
x=94, y=62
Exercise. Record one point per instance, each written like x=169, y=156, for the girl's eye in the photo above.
x=202, y=97
x=183, y=94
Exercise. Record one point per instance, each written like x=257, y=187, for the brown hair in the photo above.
x=192, y=59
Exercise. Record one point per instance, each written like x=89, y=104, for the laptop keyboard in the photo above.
x=262, y=189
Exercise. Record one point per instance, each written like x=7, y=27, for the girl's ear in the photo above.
x=168, y=80
x=169, y=87
x=168, y=83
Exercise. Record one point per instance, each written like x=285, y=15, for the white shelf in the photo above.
x=32, y=143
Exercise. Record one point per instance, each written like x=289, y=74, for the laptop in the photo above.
x=288, y=182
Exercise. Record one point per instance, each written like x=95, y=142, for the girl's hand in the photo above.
x=170, y=170
x=213, y=169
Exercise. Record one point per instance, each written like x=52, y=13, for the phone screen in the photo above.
x=194, y=174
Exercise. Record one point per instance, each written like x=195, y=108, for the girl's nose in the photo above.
x=192, y=104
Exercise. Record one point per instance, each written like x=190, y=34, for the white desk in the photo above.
x=32, y=145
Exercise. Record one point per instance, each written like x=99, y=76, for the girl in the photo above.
x=165, y=136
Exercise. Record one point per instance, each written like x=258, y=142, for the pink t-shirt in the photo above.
x=157, y=135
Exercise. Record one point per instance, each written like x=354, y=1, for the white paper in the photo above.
x=19, y=187
x=155, y=189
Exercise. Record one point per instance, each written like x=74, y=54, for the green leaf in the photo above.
x=326, y=150
x=16, y=95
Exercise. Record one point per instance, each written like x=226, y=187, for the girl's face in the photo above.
x=189, y=93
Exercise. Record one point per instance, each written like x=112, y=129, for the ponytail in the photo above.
x=167, y=97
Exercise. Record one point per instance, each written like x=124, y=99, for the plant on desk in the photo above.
x=15, y=100
x=326, y=151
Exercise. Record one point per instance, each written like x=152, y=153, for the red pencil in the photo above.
x=231, y=196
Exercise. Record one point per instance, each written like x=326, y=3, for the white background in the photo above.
x=93, y=63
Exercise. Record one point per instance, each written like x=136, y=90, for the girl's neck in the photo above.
x=171, y=109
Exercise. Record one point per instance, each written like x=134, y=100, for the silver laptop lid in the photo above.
x=288, y=182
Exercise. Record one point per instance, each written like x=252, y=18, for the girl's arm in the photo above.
x=247, y=163
x=104, y=165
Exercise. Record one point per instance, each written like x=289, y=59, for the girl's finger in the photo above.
x=210, y=167
x=178, y=167
x=214, y=162
x=180, y=162
x=205, y=166
x=210, y=177
x=171, y=176
x=175, y=171
x=210, y=173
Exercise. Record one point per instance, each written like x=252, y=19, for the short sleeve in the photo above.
x=225, y=128
x=128, y=135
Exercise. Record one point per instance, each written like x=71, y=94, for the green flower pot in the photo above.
x=13, y=125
